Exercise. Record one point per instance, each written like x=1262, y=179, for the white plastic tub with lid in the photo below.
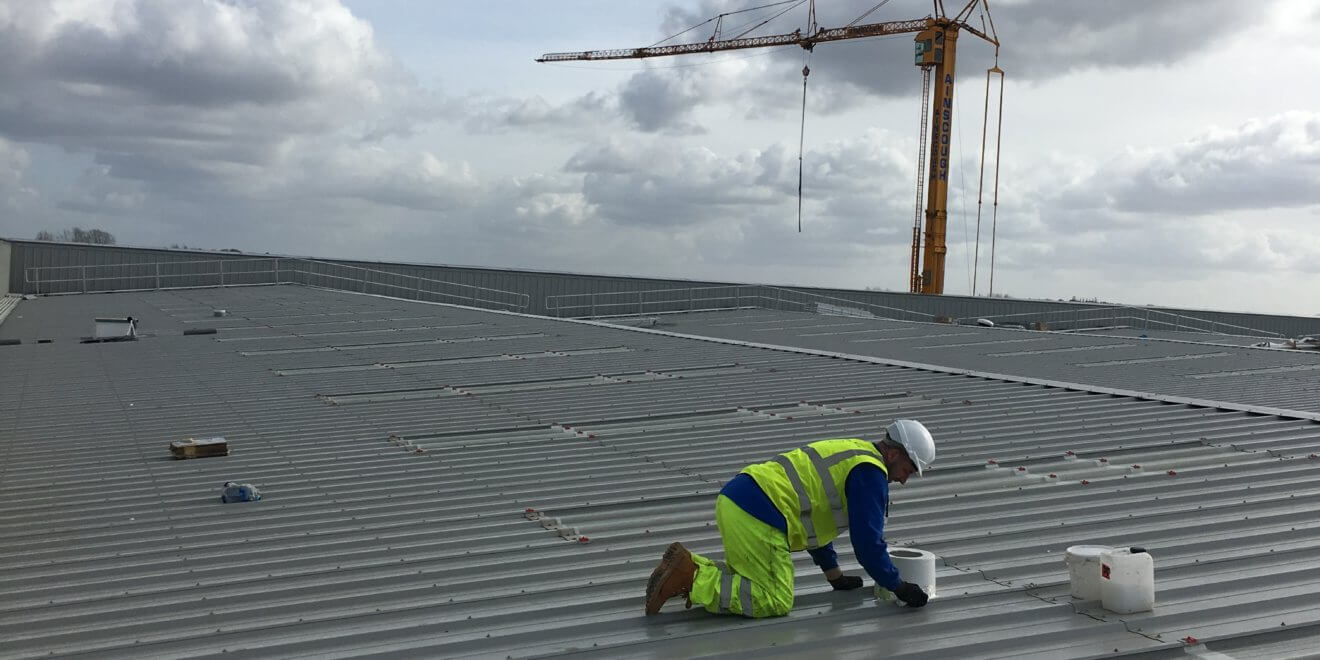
x=1084, y=570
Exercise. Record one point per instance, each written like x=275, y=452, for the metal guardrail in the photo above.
x=149, y=275
x=845, y=306
x=1137, y=317
x=453, y=292
x=273, y=270
x=650, y=301
x=710, y=298
x=660, y=301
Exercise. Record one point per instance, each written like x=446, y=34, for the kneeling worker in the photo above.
x=800, y=500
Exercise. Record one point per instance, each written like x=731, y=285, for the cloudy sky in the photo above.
x=1153, y=152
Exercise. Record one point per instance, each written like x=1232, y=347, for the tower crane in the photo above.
x=936, y=53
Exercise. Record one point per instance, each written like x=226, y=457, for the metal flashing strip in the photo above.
x=389, y=344
x=1253, y=372
x=946, y=334
x=849, y=332
x=349, y=398
x=345, y=332
x=1048, y=351
x=806, y=327
x=1167, y=358
x=299, y=371
x=980, y=343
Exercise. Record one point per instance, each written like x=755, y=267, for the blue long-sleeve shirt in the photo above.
x=867, y=490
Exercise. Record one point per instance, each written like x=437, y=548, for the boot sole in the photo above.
x=660, y=575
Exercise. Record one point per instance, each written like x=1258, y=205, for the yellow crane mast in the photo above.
x=936, y=54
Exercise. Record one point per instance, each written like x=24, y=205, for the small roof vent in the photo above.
x=113, y=329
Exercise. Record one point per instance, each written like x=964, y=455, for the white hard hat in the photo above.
x=913, y=437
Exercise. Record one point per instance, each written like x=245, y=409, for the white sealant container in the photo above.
x=1127, y=580
x=1084, y=570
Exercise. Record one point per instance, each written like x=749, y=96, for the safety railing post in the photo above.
x=275, y=276
x=84, y=279
x=222, y=272
x=639, y=302
x=417, y=290
x=593, y=305
x=157, y=274
x=691, y=308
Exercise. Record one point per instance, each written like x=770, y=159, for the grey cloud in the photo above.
x=13, y=161
x=1231, y=200
x=1042, y=39
x=1263, y=164
x=99, y=192
x=495, y=115
x=847, y=186
x=418, y=181
x=203, y=54
x=647, y=183
x=655, y=102
x=1045, y=39
x=15, y=194
x=167, y=92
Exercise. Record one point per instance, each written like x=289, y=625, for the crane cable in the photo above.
x=802, y=132
x=985, y=120
x=999, y=134
x=802, y=128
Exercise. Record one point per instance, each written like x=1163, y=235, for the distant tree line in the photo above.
x=79, y=235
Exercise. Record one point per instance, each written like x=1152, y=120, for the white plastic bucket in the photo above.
x=915, y=566
x=1127, y=580
x=1084, y=570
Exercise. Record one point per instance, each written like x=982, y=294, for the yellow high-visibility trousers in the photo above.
x=756, y=577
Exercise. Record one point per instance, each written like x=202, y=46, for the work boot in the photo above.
x=673, y=577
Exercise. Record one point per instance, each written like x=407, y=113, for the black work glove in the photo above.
x=846, y=583
x=911, y=594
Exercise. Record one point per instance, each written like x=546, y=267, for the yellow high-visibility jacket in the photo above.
x=807, y=486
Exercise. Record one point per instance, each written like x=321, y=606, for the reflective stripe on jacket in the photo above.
x=807, y=486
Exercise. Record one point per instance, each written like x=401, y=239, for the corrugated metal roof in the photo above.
x=108, y=548
x=1204, y=369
